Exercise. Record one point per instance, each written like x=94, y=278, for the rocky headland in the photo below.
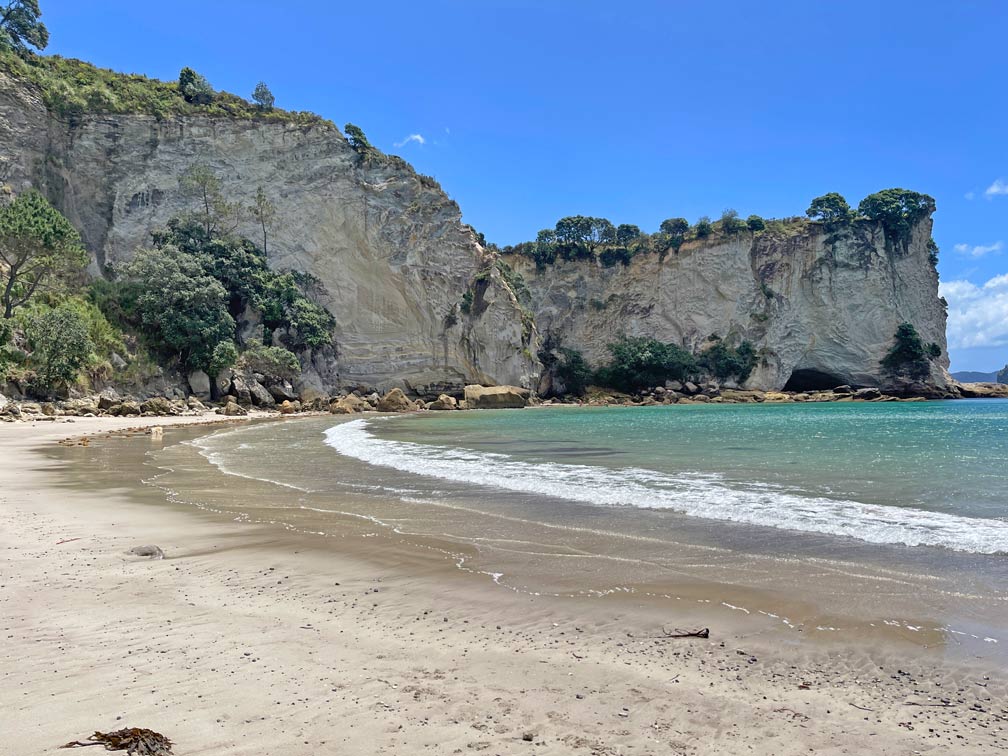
x=421, y=303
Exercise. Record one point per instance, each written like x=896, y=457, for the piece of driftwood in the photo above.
x=675, y=633
x=133, y=740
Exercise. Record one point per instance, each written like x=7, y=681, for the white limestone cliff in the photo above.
x=395, y=261
x=388, y=245
x=820, y=306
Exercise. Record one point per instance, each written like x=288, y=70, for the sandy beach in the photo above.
x=250, y=639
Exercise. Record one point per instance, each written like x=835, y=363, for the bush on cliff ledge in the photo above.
x=909, y=356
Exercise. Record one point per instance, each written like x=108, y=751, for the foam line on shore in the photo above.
x=694, y=494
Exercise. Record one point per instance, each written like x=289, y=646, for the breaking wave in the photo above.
x=693, y=494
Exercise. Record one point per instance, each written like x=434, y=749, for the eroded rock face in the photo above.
x=823, y=306
x=388, y=246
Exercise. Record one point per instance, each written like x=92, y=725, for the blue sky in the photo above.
x=529, y=110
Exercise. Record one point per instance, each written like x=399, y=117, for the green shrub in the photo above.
x=355, y=136
x=755, y=223
x=276, y=363
x=71, y=88
x=723, y=362
x=573, y=371
x=181, y=309
x=898, y=210
x=703, y=227
x=241, y=267
x=612, y=256
x=908, y=356
x=224, y=355
x=731, y=224
x=639, y=363
x=60, y=346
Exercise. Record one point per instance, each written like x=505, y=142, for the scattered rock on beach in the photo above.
x=151, y=551
x=495, y=397
x=443, y=402
x=394, y=401
x=233, y=409
x=157, y=405
x=125, y=409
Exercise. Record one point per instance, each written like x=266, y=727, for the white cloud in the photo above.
x=1000, y=186
x=418, y=138
x=978, y=250
x=977, y=315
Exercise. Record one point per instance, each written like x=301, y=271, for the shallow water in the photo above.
x=822, y=519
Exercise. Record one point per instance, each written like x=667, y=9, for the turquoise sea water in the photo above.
x=916, y=474
x=826, y=518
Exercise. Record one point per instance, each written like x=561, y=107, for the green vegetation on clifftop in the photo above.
x=72, y=88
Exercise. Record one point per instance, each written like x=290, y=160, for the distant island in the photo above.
x=973, y=376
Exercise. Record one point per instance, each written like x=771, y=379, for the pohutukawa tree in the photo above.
x=20, y=27
x=829, y=208
x=38, y=247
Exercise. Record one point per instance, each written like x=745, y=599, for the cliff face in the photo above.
x=388, y=246
x=821, y=308
x=395, y=261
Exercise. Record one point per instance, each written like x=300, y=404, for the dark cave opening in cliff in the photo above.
x=812, y=380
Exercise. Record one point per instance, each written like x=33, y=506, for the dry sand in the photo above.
x=247, y=639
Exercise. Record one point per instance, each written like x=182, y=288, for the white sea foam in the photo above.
x=694, y=494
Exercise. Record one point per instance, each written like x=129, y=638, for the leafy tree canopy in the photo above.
x=573, y=371
x=180, y=307
x=642, y=362
x=60, y=344
x=898, y=210
x=829, y=208
x=355, y=135
x=731, y=223
x=627, y=233
x=674, y=227
x=704, y=227
x=263, y=97
x=21, y=28
x=909, y=356
x=194, y=87
x=241, y=267
x=724, y=362
x=38, y=246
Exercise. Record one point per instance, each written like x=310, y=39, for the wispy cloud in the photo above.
x=1000, y=186
x=418, y=138
x=970, y=195
x=977, y=315
x=978, y=250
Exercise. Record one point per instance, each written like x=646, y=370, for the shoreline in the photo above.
x=250, y=639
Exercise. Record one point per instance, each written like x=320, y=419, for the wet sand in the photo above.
x=254, y=639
